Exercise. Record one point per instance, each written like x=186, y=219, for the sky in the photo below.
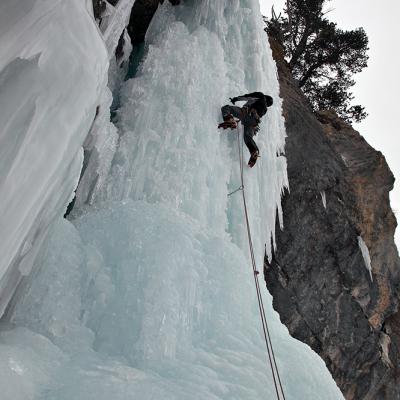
x=377, y=86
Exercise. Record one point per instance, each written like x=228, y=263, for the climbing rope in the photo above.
x=267, y=337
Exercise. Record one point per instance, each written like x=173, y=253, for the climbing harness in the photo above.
x=280, y=395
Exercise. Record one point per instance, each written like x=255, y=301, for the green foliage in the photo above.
x=322, y=57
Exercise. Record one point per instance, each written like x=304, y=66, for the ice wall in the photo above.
x=148, y=293
x=52, y=67
x=101, y=142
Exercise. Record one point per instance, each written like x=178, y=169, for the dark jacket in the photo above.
x=257, y=101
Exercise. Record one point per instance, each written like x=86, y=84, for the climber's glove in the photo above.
x=233, y=100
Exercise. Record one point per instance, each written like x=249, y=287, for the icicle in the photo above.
x=365, y=254
x=323, y=197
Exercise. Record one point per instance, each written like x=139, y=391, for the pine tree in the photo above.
x=322, y=57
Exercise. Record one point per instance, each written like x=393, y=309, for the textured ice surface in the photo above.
x=148, y=294
x=52, y=67
x=101, y=142
x=149, y=305
x=114, y=23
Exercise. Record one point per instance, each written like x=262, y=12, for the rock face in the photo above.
x=322, y=288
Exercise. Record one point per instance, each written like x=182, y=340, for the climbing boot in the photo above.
x=253, y=159
x=229, y=122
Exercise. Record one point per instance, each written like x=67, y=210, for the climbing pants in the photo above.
x=248, y=122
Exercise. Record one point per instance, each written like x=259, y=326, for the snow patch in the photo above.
x=366, y=256
x=323, y=197
x=344, y=160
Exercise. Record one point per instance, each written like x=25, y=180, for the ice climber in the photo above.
x=250, y=114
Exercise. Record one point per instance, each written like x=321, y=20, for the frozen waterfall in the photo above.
x=148, y=292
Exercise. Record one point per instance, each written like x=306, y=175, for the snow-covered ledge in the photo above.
x=53, y=68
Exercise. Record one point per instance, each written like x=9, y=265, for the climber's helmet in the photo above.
x=269, y=100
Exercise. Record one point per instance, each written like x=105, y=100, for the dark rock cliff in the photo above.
x=322, y=289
